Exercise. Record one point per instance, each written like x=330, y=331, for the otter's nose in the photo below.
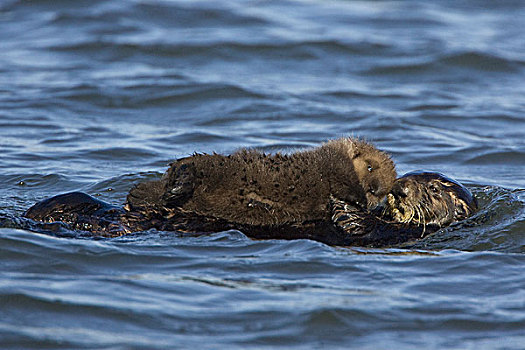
x=400, y=189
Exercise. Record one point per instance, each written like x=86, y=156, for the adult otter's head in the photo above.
x=374, y=169
x=426, y=198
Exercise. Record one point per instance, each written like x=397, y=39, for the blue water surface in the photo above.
x=99, y=95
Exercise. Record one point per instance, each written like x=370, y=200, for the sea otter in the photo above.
x=329, y=194
x=419, y=204
x=438, y=199
x=440, y=202
x=254, y=188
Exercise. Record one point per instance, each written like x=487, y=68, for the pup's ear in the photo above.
x=354, y=151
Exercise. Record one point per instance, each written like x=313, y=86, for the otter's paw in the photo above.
x=180, y=186
x=346, y=216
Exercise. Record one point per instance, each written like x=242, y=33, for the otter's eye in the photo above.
x=369, y=168
x=434, y=188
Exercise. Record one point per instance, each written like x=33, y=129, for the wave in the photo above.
x=155, y=95
x=495, y=157
x=472, y=60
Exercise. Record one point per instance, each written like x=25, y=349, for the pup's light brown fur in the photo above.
x=250, y=187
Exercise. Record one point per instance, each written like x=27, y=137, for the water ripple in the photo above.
x=99, y=95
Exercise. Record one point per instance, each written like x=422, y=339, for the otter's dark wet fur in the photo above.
x=254, y=188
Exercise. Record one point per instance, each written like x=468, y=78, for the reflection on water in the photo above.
x=99, y=95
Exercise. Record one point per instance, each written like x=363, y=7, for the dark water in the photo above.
x=98, y=95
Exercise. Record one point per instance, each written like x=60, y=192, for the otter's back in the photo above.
x=254, y=188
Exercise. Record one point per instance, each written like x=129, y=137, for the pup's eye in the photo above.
x=369, y=168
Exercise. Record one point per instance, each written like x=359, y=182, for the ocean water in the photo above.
x=98, y=95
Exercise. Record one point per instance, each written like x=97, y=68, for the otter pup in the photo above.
x=254, y=188
x=418, y=204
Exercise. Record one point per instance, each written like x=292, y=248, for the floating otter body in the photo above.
x=253, y=188
x=328, y=194
x=438, y=200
